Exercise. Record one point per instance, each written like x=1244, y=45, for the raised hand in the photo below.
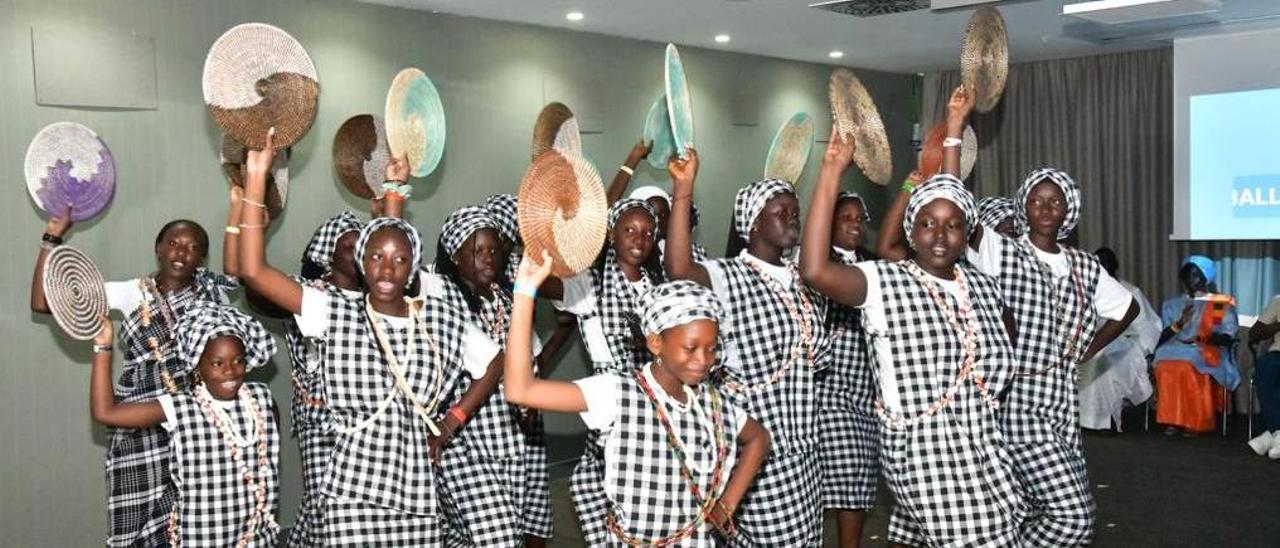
x=683, y=171
x=398, y=168
x=959, y=106
x=258, y=162
x=532, y=272
x=58, y=226
x=839, y=150
x=106, y=333
x=639, y=152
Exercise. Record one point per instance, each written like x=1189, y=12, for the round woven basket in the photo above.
x=68, y=165
x=931, y=153
x=415, y=121
x=855, y=116
x=546, y=129
x=562, y=209
x=789, y=151
x=257, y=77
x=232, y=156
x=679, y=102
x=984, y=59
x=657, y=131
x=360, y=155
x=75, y=292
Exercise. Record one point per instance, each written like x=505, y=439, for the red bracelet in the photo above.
x=457, y=413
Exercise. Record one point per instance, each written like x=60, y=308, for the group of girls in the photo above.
x=731, y=401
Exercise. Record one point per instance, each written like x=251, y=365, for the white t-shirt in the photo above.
x=478, y=350
x=875, y=322
x=1110, y=299
x=580, y=300
x=602, y=393
x=124, y=296
x=171, y=414
x=433, y=286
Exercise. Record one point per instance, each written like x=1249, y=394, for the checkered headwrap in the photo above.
x=750, y=200
x=850, y=195
x=502, y=208
x=204, y=321
x=415, y=242
x=940, y=187
x=626, y=204
x=993, y=210
x=677, y=303
x=325, y=240
x=1069, y=189
x=461, y=224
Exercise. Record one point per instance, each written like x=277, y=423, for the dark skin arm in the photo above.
x=102, y=402
x=231, y=240
x=259, y=276
x=621, y=179
x=566, y=324
x=679, y=251
x=1110, y=330
x=392, y=205
x=1168, y=332
x=475, y=397
x=846, y=285
x=753, y=448
x=59, y=227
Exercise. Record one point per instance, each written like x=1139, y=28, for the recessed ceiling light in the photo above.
x=573, y=16
x=835, y=54
x=722, y=38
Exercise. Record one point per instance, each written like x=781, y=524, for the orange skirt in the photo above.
x=1185, y=397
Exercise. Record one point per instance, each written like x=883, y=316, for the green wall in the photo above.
x=491, y=77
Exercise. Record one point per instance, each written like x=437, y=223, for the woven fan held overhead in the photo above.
x=855, y=117
x=931, y=154
x=75, y=292
x=67, y=165
x=361, y=155
x=984, y=59
x=257, y=77
x=415, y=121
x=562, y=209
x=657, y=132
x=679, y=102
x=556, y=128
x=789, y=151
x=232, y=156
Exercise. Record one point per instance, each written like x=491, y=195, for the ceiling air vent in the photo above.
x=871, y=8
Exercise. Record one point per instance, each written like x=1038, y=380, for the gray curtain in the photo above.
x=1108, y=121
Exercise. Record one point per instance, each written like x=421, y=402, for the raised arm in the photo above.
x=55, y=229
x=621, y=179
x=891, y=241
x=845, y=284
x=257, y=274
x=679, y=251
x=520, y=385
x=392, y=201
x=102, y=402
x=231, y=235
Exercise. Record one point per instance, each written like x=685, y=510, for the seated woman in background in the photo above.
x=1267, y=382
x=1194, y=356
x=1118, y=373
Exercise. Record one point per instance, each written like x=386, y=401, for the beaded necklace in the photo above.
x=166, y=329
x=234, y=442
x=1072, y=351
x=802, y=315
x=965, y=326
x=397, y=371
x=706, y=499
x=495, y=324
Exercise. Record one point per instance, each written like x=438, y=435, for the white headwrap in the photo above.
x=677, y=303
x=750, y=200
x=940, y=187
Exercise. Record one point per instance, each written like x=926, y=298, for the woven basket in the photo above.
x=789, y=151
x=546, y=129
x=984, y=59
x=360, y=155
x=679, y=102
x=75, y=292
x=855, y=116
x=68, y=165
x=232, y=156
x=415, y=121
x=257, y=77
x=931, y=154
x=657, y=131
x=562, y=209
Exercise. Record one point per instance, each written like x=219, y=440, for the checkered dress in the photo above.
x=615, y=306
x=1041, y=414
x=648, y=494
x=139, y=489
x=380, y=487
x=483, y=479
x=849, y=431
x=214, y=502
x=311, y=425
x=949, y=473
x=783, y=508
x=696, y=252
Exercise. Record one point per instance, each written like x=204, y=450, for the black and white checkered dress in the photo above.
x=484, y=481
x=139, y=489
x=1041, y=413
x=380, y=488
x=849, y=430
x=214, y=502
x=784, y=507
x=311, y=425
x=949, y=473
x=648, y=495
x=615, y=309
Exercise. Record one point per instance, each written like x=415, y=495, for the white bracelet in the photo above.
x=232, y=230
x=626, y=170
x=950, y=142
